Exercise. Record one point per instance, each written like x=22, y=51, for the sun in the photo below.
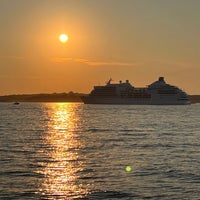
x=63, y=38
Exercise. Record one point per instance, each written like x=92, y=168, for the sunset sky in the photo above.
x=138, y=40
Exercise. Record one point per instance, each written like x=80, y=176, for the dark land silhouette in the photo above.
x=194, y=98
x=60, y=97
x=54, y=97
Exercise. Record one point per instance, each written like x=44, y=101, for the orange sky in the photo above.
x=137, y=40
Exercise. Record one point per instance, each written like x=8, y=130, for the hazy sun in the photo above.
x=63, y=38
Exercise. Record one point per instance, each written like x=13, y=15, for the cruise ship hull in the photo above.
x=157, y=93
x=133, y=101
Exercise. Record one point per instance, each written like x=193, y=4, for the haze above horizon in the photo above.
x=138, y=40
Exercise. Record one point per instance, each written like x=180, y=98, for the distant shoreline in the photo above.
x=194, y=98
x=54, y=97
x=60, y=97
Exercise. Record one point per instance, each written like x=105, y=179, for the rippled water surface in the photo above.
x=76, y=151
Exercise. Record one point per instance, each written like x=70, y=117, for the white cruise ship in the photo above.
x=157, y=93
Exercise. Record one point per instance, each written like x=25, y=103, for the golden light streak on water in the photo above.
x=61, y=142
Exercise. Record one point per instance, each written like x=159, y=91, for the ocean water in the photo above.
x=76, y=151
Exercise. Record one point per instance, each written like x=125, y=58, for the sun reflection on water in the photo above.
x=63, y=162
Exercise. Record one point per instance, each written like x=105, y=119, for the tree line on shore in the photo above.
x=54, y=97
x=59, y=97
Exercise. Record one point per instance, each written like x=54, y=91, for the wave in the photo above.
x=109, y=195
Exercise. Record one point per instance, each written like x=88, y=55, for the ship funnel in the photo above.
x=161, y=79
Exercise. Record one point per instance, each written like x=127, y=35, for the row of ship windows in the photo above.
x=167, y=92
x=104, y=93
x=123, y=95
x=126, y=93
x=137, y=95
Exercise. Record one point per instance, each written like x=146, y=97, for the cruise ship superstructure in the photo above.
x=157, y=93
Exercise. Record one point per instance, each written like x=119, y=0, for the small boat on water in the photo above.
x=157, y=93
x=16, y=103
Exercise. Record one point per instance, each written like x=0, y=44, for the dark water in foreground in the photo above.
x=76, y=151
